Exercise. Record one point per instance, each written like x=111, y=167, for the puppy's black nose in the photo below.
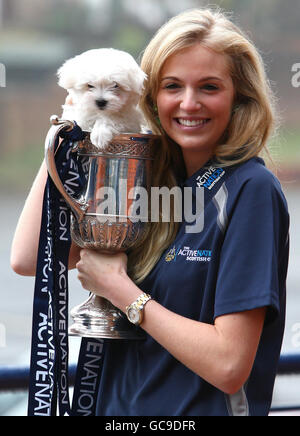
x=101, y=103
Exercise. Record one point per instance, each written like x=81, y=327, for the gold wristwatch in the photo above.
x=135, y=311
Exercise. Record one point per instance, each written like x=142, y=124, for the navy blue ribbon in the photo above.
x=49, y=378
x=88, y=377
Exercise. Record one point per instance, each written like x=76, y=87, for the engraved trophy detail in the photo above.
x=117, y=172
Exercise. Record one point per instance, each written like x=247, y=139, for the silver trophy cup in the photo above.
x=101, y=217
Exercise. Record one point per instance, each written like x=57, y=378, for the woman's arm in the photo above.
x=222, y=354
x=26, y=239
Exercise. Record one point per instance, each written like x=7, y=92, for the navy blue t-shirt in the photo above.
x=237, y=262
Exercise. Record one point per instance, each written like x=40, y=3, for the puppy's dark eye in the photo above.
x=91, y=86
x=116, y=86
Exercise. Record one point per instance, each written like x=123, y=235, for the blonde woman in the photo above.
x=211, y=300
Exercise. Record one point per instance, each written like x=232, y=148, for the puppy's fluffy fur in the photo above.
x=105, y=86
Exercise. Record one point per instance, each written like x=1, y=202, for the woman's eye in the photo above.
x=172, y=86
x=210, y=87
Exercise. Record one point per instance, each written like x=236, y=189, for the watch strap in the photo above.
x=139, y=303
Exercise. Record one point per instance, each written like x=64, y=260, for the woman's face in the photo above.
x=195, y=101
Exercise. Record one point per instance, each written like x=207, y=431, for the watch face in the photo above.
x=134, y=315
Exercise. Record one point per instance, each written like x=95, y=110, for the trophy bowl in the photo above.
x=104, y=217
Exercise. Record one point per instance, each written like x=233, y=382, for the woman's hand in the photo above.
x=106, y=275
x=96, y=270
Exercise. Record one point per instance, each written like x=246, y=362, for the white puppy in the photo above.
x=105, y=86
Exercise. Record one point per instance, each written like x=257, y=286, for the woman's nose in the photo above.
x=190, y=101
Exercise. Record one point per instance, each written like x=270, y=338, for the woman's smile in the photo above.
x=192, y=123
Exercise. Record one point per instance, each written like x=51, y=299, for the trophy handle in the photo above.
x=57, y=127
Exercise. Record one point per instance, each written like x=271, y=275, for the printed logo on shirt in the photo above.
x=189, y=255
x=210, y=177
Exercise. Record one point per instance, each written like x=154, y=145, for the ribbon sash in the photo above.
x=49, y=379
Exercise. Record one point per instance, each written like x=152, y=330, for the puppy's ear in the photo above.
x=67, y=74
x=137, y=79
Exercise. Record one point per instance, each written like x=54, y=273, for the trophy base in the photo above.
x=98, y=318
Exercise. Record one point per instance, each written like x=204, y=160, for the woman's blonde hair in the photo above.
x=253, y=113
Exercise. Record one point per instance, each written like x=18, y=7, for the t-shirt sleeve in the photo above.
x=254, y=253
